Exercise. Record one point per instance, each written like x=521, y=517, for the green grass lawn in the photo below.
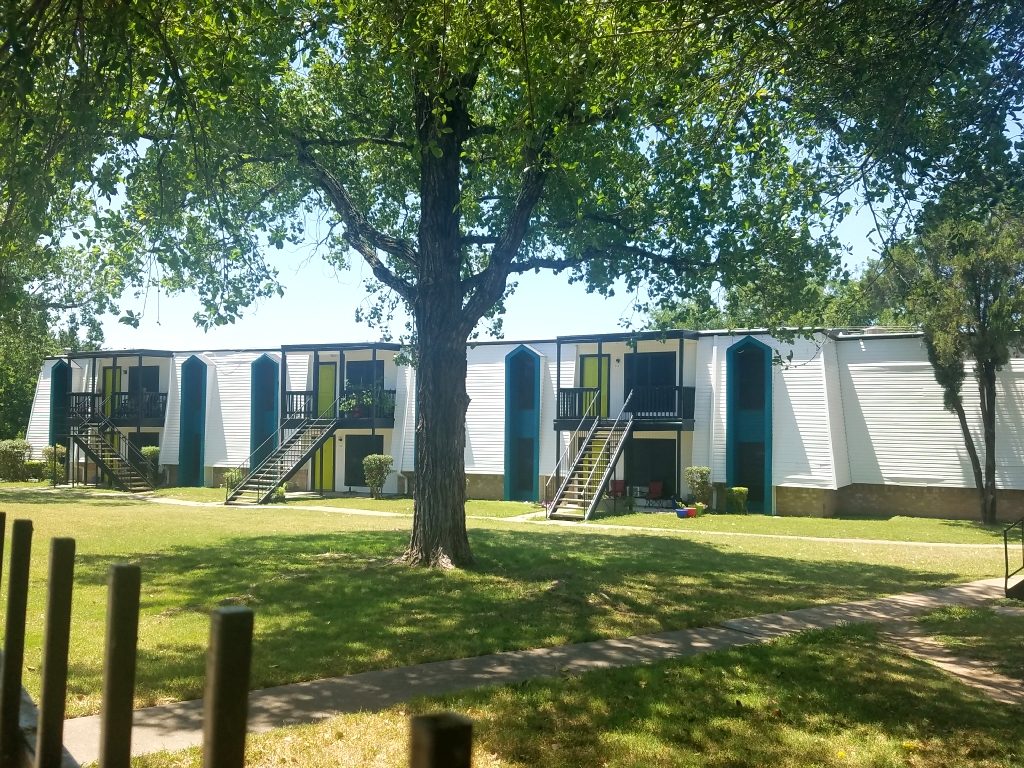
x=981, y=633
x=837, y=698
x=16, y=484
x=330, y=600
x=403, y=505
x=192, y=494
x=895, y=528
x=399, y=504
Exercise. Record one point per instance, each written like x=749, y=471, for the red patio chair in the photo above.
x=654, y=490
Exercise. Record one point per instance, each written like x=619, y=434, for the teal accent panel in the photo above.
x=192, y=423
x=522, y=425
x=748, y=445
x=263, y=409
x=60, y=392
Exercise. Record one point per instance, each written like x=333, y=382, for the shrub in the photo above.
x=278, y=496
x=151, y=453
x=55, y=457
x=234, y=477
x=699, y=480
x=36, y=469
x=377, y=467
x=736, y=500
x=13, y=455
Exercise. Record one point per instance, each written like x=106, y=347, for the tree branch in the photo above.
x=488, y=286
x=356, y=141
x=359, y=234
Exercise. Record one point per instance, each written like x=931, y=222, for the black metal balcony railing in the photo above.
x=82, y=406
x=118, y=407
x=298, y=404
x=353, y=404
x=660, y=402
x=573, y=402
x=655, y=402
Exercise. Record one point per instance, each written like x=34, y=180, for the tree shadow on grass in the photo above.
x=837, y=697
x=335, y=603
x=51, y=497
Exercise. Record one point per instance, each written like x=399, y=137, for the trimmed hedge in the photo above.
x=736, y=500
x=699, y=480
x=13, y=455
x=377, y=467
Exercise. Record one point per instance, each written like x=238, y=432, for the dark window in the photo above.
x=358, y=447
x=650, y=369
x=750, y=471
x=750, y=378
x=142, y=439
x=523, y=381
x=144, y=378
x=648, y=460
x=360, y=374
x=522, y=480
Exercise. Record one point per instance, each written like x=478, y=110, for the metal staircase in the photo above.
x=1015, y=590
x=110, y=450
x=259, y=484
x=587, y=479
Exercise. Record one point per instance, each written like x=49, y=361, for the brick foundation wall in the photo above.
x=805, y=502
x=477, y=486
x=213, y=477
x=922, y=501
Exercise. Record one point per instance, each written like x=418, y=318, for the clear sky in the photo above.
x=319, y=306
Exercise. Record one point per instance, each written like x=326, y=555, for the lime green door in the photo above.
x=323, y=460
x=111, y=385
x=594, y=373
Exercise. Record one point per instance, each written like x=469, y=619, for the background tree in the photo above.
x=454, y=145
x=845, y=302
x=963, y=280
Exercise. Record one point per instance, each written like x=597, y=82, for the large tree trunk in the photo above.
x=439, y=520
x=987, y=385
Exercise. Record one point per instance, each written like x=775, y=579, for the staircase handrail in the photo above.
x=1006, y=551
x=125, y=449
x=566, y=453
x=608, y=470
x=607, y=440
x=303, y=425
x=568, y=475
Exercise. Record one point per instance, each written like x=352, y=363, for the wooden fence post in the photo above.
x=56, y=635
x=443, y=740
x=11, y=743
x=119, y=658
x=3, y=533
x=226, y=700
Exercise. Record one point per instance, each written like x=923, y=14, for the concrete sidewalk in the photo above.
x=177, y=726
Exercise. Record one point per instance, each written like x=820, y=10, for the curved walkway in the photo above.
x=177, y=726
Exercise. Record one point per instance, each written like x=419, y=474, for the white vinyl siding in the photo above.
x=38, y=432
x=836, y=420
x=228, y=410
x=801, y=439
x=898, y=430
x=485, y=418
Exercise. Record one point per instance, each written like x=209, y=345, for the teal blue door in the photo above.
x=192, y=423
x=522, y=425
x=749, y=422
x=263, y=399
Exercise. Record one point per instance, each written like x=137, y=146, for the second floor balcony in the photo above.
x=668, y=404
x=354, y=408
x=124, y=409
